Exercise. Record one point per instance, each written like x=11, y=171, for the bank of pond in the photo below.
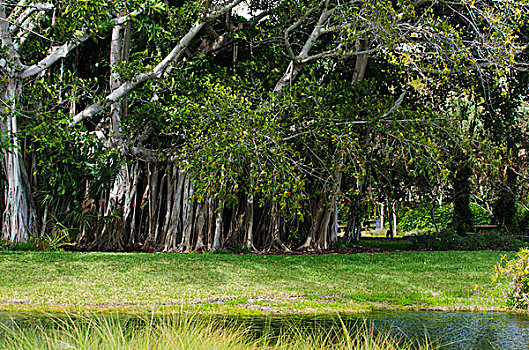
x=375, y=330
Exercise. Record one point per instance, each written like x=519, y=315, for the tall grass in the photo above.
x=188, y=332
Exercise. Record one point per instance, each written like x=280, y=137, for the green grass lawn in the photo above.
x=249, y=283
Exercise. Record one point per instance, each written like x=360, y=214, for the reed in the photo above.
x=190, y=332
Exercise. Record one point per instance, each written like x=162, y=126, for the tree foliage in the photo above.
x=192, y=125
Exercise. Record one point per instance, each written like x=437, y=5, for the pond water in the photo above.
x=455, y=330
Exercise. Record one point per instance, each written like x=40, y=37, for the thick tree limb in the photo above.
x=157, y=71
x=7, y=40
x=26, y=29
x=22, y=23
x=56, y=54
x=288, y=45
x=63, y=50
x=18, y=9
x=297, y=60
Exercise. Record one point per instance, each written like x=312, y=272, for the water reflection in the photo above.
x=462, y=330
x=455, y=330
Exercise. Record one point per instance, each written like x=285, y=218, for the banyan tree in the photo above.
x=189, y=125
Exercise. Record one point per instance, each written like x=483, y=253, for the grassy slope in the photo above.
x=429, y=279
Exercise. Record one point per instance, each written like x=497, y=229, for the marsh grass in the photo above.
x=114, y=332
x=190, y=332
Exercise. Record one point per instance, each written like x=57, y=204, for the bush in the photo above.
x=521, y=222
x=6, y=245
x=45, y=243
x=417, y=219
x=449, y=240
x=479, y=215
x=26, y=247
x=516, y=271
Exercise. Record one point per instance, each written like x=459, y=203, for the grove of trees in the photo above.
x=184, y=125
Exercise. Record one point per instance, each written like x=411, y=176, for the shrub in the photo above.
x=479, y=215
x=448, y=240
x=5, y=245
x=44, y=243
x=516, y=271
x=416, y=219
x=25, y=247
x=521, y=222
x=53, y=242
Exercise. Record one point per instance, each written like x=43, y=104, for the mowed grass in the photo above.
x=94, y=280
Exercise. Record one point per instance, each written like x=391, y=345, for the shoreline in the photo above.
x=228, y=307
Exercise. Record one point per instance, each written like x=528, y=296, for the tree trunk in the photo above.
x=354, y=227
x=187, y=216
x=201, y=226
x=217, y=240
x=333, y=237
x=19, y=221
x=394, y=221
x=382, y=216
x=318, y=216
x=462, y=219
x=277, y=243
x=323, y=230
x=361, y=61
x=249, y=224
x=122, y=191
x=174, y=215
x=119, y=54
x=505, y=204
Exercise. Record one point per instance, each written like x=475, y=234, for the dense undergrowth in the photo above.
x=424, y=218
x=445, y=240
x=449, y=240
x=516, y=272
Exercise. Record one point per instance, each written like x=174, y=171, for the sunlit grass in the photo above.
x=187, y=332
x=101, y=280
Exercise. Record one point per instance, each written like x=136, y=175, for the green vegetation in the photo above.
x=248, y=283
x=418, y=219
x=186, y=332
x=449, y=240
x=284, y=126
x=516, y=271
x=164, y=125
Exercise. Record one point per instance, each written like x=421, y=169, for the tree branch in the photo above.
x=395, y=106
x=27, y=28
x=7, y=40
x=56, y=54
x=63, y=50
x=296, y=65
x=17, y=20
x=288, y=46
x=157, y=71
